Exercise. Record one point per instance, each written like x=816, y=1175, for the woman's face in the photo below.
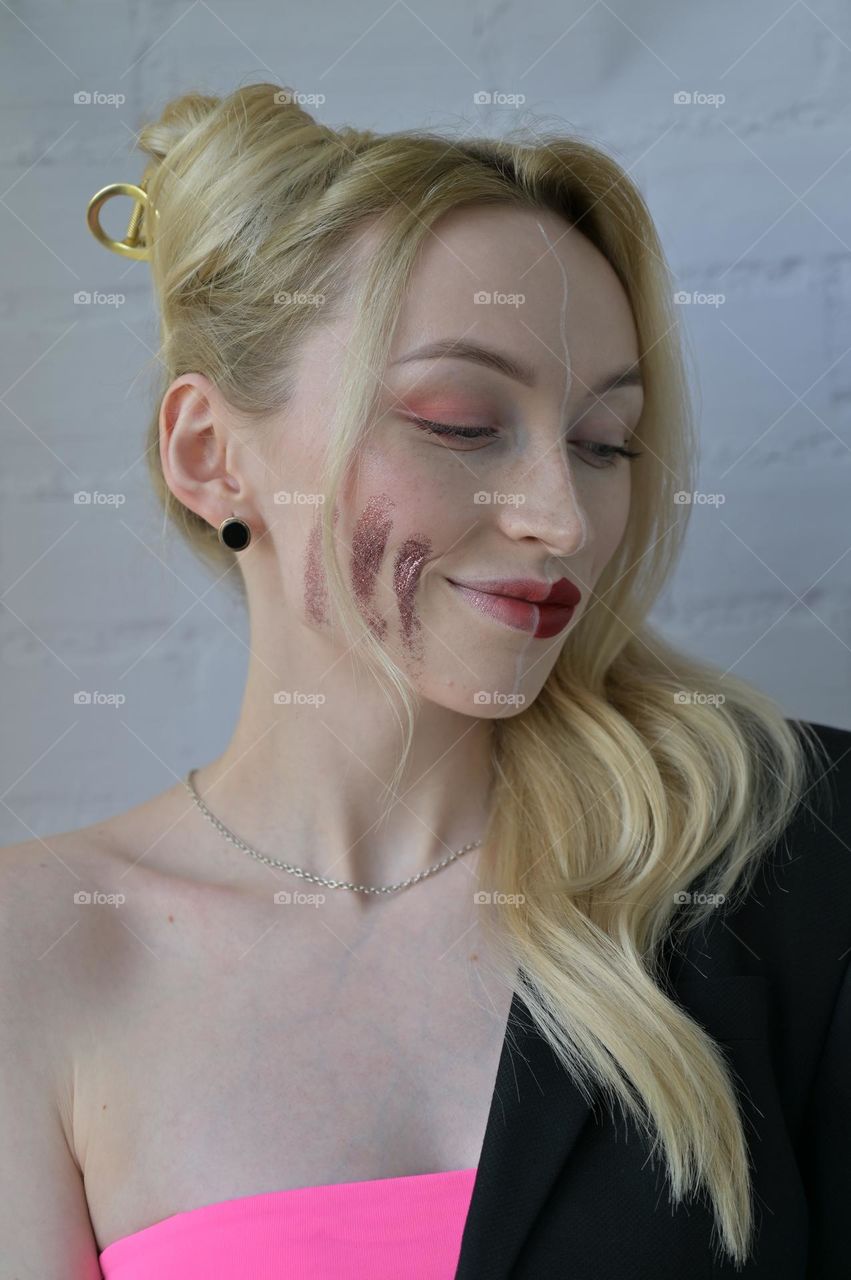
x=531, y=491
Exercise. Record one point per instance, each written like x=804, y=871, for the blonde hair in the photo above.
x=616, y=788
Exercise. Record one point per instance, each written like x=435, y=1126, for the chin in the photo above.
x=485, y=703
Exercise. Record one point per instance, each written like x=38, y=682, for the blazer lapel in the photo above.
x=537, y=1112
x=535, y=1118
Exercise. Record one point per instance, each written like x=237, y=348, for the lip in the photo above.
x=526, y=604
x=563, y=592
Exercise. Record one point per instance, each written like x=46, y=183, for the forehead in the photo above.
x=549, y=288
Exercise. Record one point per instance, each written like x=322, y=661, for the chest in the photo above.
x=286, y=1065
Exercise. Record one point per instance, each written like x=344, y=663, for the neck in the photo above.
x=306, y=783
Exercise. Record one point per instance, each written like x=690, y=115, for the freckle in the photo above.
x=103, y=1108
x=410, y=559
x=171, y=919
x=315, y=586
x=368, y=544
x=474, y=955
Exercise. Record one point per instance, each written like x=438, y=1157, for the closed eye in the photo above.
x=460, y=432
x=606, y=453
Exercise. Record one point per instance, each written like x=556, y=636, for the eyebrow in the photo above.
x=451, y=348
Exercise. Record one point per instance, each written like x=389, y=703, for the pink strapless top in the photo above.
x=376, y=1230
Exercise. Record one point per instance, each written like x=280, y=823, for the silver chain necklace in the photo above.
x=307, y=875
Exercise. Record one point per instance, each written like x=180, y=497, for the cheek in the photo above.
x=619, y=512
x=361, y=555
x=410, y=560
x=396, y=514
x=610, y=515
x=430, y=494
x=369, y=544
x=314, y=582
x=391, y=542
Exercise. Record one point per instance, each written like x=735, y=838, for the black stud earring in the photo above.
x=234, y=533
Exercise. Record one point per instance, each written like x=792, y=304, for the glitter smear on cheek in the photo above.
x=410, y=559
x=369, y=541
x=369, y=544
x=315, y=587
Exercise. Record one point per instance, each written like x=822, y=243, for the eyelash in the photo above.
x=607, y=459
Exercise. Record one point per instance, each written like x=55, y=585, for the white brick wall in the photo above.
x=87, y=606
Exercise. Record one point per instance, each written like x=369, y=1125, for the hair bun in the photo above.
x=191, y=148
x=180, y=116
x=178, y=119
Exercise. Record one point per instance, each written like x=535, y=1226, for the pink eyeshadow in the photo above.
x=453, y=409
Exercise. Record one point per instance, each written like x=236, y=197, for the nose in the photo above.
x=541, y=501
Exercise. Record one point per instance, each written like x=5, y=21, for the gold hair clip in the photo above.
x=135, y=244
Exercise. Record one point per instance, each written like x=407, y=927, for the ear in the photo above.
x=194, y=435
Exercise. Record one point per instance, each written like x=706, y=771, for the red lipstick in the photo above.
x=527, y=604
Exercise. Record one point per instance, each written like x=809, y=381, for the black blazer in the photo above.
x=564, y=1191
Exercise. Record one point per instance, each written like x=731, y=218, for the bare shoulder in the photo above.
x=36, y=866
x=38, y=882
x=51, y=958
x=75, y=904
x=87, y=918
x=51, y=947
x=102, y=850
x=43, y=879
x=59, y=900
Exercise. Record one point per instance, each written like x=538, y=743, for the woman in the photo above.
x=424, y=406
